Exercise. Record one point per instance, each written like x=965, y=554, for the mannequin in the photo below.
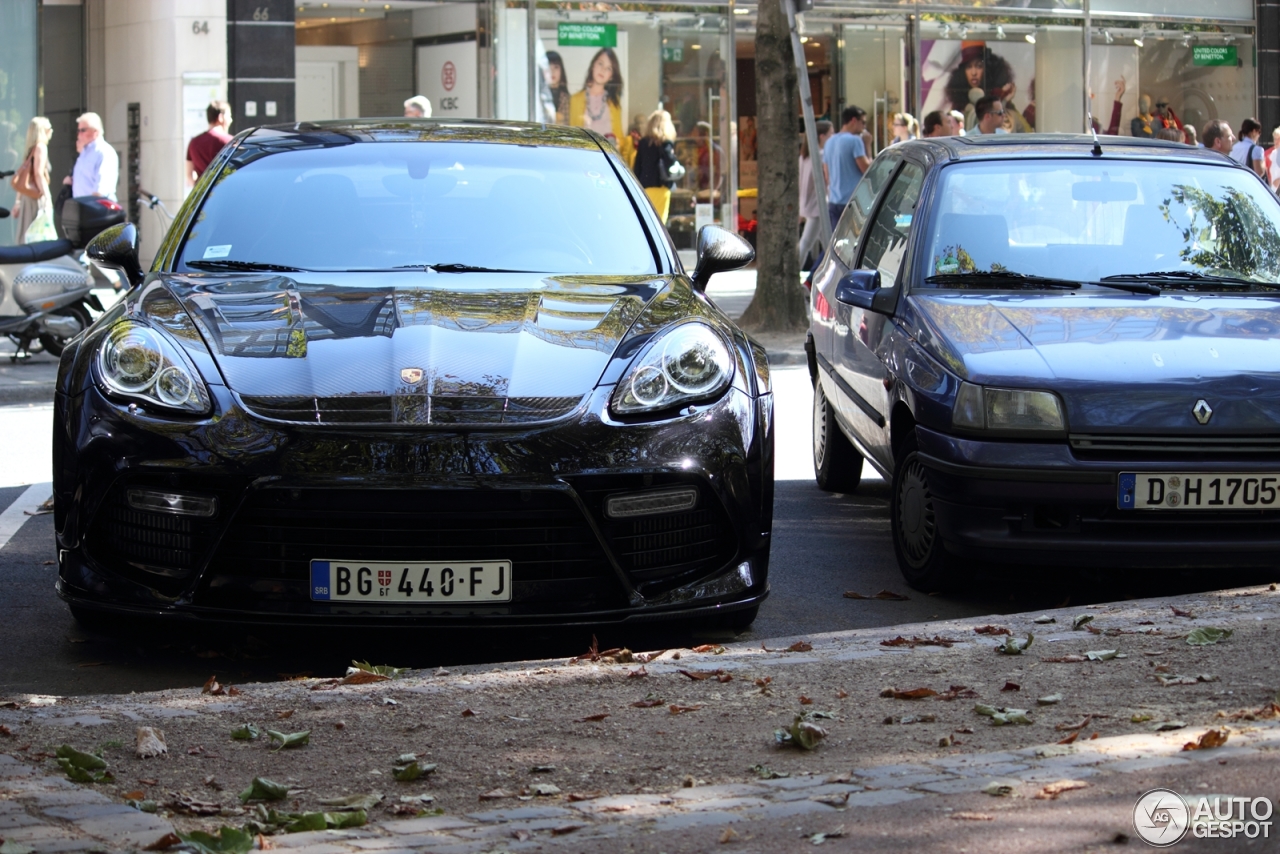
x=1143, y=123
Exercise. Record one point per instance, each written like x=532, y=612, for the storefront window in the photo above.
x=18, y=42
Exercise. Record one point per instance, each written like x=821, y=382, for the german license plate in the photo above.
x=414, y=583
x=1215, y=491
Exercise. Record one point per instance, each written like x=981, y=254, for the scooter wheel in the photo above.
x=55, y=344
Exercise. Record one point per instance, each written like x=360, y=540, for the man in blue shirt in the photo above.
x=846, y=160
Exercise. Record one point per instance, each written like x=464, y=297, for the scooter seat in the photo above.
x=46, y=250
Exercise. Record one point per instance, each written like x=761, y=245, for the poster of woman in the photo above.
x=957, y=74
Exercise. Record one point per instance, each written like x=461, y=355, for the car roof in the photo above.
x=347, y=131
x=1028, y=145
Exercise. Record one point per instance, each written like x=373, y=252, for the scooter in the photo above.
x=44, y=291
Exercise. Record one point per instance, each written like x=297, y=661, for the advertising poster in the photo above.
x=956, y=74
x=1113, y=80
x=569, y=56
x=447, y=76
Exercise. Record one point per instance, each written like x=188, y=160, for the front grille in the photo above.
x=1167, y=446
x=667, y=550
x=555, y=557
x=411, y=409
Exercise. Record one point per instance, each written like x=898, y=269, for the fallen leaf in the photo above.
x=1069, y=727
x=802, y=733
x=840, y=799
x=1011, y=686
x=911, y=719
x=913, y=694
x=1170, y=725
x=1002, y=716
x=956, y=692
x=841, y=693
x=1081, y=621
x=245, y=732
x=1049, y=700
x=650, y=702
x=638, y=673
x=1102, y=654
x=764, y=772
x=353, y=802
x=212, y=783
x=1206, y=635
x=228, y=840
x=339, y=724
x=293, y=739
x=1070, y=738
x=521, y=835
x=1070, y=658
x=284, y=715
x=467, y=713
x=147, y=782
x=1044, y=619
x=5, y=731
x=407, y=768
x=964, y=730
x=715, y=648
x=992, y=630
x=675, y=710
x=164, y=842
x=362, y=677
x=377, y=669
x=971, y=816
x=1052, y=790
x=1178, y=612
x=762, y=682
x=150, y=742
x=914, y=641
x=800, y=646
x=998, y=788
x=700, y=675
x=1212, y=738
x=495, y=795
x=728, y=835
x=566, y=828
x=187, y=805
x=1013, y=646
x=542, y=769
x=544, y=790
x=805, y=701
x=946, y=741
x=262, y=789
x=590, y=718
x=1271, y=710
x=1139, y=718
x=212, y=686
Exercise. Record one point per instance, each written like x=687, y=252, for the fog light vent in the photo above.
x=651, y=503
x=173, y=502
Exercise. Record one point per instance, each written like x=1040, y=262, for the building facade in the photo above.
x=150, y=67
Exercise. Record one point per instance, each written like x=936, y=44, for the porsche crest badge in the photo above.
x=412, y=376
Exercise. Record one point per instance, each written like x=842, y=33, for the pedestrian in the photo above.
x=990, y=116
x=1273, y=162
x=203, y=148
x=1247, y=152
x=811, y=234
x=656, y=161
x=709, y=159
x=955, y=122
x=845, y=157
x=905, y=127
x=97, y=169
x=1218, y=137
x=33, y=204
x=417, y=107
x=934, y=125
x=1170, y=135
x=1189, y=131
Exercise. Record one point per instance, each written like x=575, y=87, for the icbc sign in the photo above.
x=449, y=76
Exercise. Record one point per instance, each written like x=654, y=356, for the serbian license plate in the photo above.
x=1215, y=491
x=414, y=583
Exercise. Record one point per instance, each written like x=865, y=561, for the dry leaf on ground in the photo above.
x=1070, y=658
x=150, y=742
x=1051, y=791
x=912, y=694
x=971, y=816
x=1211, y=739
x=592, y=718
x=992, y=630
x=676, y=710
x=1011, y=686
x=914, y=641
x=885, y=595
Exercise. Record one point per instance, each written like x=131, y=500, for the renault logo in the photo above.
x=1202, y=412
x=413, y=376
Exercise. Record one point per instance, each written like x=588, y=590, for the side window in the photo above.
x=845, y=234
x=887, y=243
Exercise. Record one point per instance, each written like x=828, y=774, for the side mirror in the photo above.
x=117, y=248
x=861, y=289
x=719, y=250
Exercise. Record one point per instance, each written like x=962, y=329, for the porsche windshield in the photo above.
x=458, y=207
x=1131, y=224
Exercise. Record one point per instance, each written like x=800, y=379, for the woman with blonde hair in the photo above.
x=656, y=161
x=33, y=210
x=905, y=127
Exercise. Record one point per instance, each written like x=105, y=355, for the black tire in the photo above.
x=55, y=344
x=923, y=559
x=837, y=465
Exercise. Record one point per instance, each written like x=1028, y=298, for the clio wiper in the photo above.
x=1189, y=276
x=468, y=268
x=243, y=265
x=1001, y=277
x=1132, y=287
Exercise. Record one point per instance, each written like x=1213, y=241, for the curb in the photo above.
x=41, y=392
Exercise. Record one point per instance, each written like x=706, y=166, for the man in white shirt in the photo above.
x=97, y=169
x=990, y=113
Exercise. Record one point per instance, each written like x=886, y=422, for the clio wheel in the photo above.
x=837, y=465
x=922, y=557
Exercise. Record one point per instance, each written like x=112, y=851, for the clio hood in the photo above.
x=488, y=335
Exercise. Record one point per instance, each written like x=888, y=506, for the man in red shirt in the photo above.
x=203, y=148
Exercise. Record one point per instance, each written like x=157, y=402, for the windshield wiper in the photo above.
x=1002, y=277
x=243, y=265
x=468, y=268
x=1186, y=276
x=1131, y=287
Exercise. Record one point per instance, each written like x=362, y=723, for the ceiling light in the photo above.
x=741, y=11
x=1000, y=32
x=1140, y=39
x=804, y=40
x=1107, y=37
x=1030, y=37
x=946, y=31
x=810, y=63
x=964, y=32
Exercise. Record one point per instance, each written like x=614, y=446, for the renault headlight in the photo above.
x=1009, y=410
x=139, y=362
x=688, y=363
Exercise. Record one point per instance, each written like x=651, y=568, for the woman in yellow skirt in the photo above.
x=655, y=156
x=598, y=106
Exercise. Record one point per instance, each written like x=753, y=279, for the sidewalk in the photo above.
x=676, y=752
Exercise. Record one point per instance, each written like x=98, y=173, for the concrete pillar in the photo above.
x=260, y=61
x=1059, y=82
x=1268, y=43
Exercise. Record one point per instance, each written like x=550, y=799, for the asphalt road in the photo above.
x=824, y=544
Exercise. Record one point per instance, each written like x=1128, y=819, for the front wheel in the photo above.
x=922, y=557
x=837, y=465
x=53, y=343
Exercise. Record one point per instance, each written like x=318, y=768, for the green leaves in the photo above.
x=764, y=772
x=245, y=732
x=407, y=768
x=1081, y=621
x=228, y=841
x=1000, y=717
x=262, y=789
x=1206, y=635
x=82, y=767
x=293, y=739
x=379, y=669
x=353, y=802
x=802, y=733
x=1013, y=646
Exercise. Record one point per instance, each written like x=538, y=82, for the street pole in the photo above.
x=810, y=128
x=534, y=95
x=1088, y=68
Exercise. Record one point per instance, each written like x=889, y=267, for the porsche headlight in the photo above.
x=139, y=362
x=1007, y=410
x=688, y=363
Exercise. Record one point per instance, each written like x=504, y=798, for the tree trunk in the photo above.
x=778, y=305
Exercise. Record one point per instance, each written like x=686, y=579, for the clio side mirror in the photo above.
x=719, y=250
x=117, y=248
x=861, y=289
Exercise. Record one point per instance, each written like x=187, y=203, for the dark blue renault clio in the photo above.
x=1059, y=350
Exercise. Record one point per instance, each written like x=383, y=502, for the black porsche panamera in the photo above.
x=415, y=372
